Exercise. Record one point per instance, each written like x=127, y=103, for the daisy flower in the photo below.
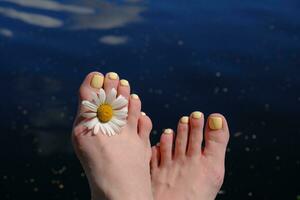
x=106, y=112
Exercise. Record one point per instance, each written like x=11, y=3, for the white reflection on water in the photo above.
x=30, y=18
x=52, y=5
x=109, y=15
x=84, y=15
x=6, y=32
x=113, y=40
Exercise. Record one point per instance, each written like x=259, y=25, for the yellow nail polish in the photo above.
x=135, y=96
x=215, y=123
x=124, y=82
x=197, y=115
x=184, y=120
x=113, y=75
x=168, y=131
x=144, y=114
x=97, y=81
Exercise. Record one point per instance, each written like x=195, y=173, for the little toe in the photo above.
x=134, y=111
x=166, y=143
x=124, y=88
x=181, y=137
x=196, y=134
x=144, y=127
x=111, y=81
x=216, y=137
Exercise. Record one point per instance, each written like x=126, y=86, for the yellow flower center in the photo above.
x=105, y=113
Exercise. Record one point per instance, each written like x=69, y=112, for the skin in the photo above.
x=117, y=167
x=191, y=171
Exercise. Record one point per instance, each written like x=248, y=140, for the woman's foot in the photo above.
x=117, y=167
x=190, y=171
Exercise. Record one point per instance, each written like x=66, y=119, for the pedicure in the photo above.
x=113, y=75
x=144, y=114
x=184, y=120
x=197, y=115
x=97, y=81
x=134, y=96
x=215, y=123
x=124, y=82
x=168, y=131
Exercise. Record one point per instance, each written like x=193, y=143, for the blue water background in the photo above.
x=239, y=58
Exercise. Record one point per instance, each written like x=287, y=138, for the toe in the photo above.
x=166, y=143
x=111, y=81
x=181, y=137
x=196, y=134
x=124, y=88
x=134, y=111
x=154, y=158
x=144, y=127
x=216, y=137
x=91, y=84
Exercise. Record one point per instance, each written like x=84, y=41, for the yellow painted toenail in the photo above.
x=97, y=81
x=135, y=96
x=113, y=75
x=184, y=120
x=144, y=114
x=168, y=131
x=215, y=123
x=124, y=82
x=197, y=115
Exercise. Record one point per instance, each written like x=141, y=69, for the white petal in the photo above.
x=102, y=96
x=95, y=98
x=107, y=130
x=111, y=96
x=116, y=128
x=96, y=128
x=89, y=105
x=102, y=128
x=118, y=122
x=124, y=109
x=119, y=102
x=91, y=123
x=120, y=115
x=111, y=131
x=88, y=115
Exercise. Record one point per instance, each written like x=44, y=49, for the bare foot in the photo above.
x=190, y=172
x=117, y=167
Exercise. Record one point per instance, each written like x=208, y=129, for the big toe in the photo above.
x=89, y=87
x=216, y=137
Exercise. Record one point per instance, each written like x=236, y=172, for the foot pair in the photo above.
x=118, y=167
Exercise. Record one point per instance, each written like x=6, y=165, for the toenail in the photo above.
x=184, y=120
x=215, y=123
x=144, y=114
x=158, y=144
x=168, y=131
x=113, y=75
x=135, y=96
x=196, y=115
x=97, y=81
x=124, y=82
